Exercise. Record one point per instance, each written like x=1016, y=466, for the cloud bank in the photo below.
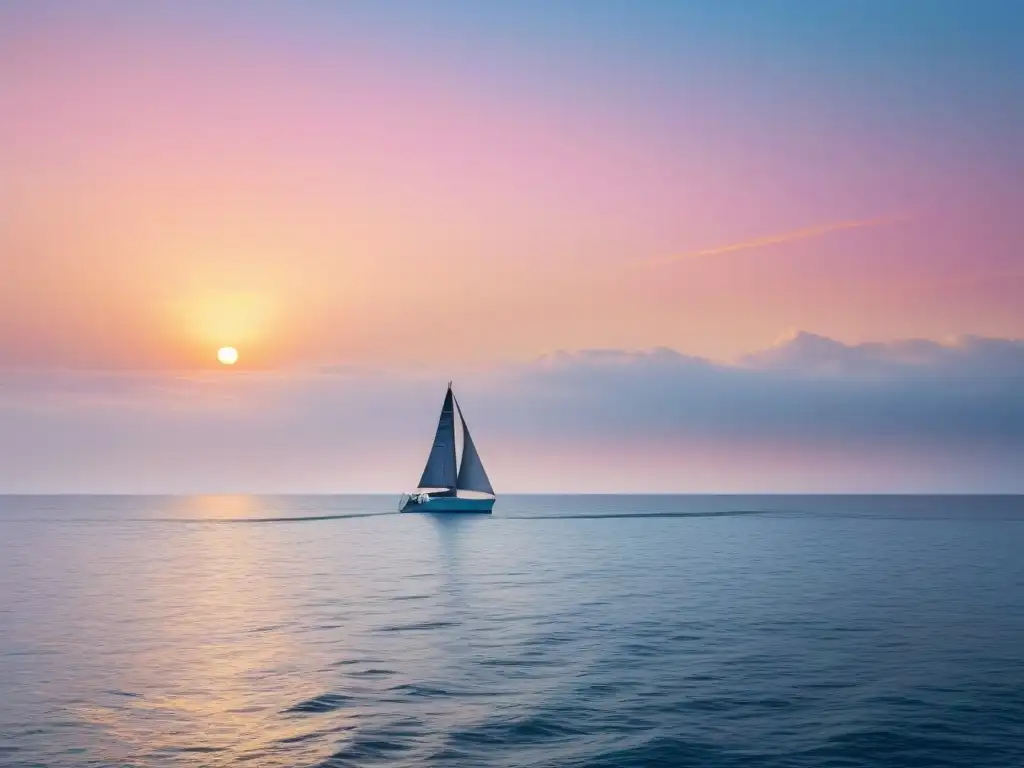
x=807, y=414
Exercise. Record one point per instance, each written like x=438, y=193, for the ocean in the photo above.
x=563, y=631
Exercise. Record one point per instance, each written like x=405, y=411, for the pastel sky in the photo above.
x=370, y=198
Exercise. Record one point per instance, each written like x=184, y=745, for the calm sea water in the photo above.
x=562, y=631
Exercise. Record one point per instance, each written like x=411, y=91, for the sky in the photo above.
x=659, y=246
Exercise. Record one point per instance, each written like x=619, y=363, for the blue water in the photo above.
x=562, y=631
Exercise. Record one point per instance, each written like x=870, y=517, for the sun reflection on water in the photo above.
x=215, y=652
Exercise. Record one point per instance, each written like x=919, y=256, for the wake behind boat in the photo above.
x=441, y=488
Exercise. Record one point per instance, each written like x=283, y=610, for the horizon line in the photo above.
x=200, y=494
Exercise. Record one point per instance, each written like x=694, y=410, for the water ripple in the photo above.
x=327, y=702
x=714, y=632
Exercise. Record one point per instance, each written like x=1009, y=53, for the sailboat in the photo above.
x=441, y=487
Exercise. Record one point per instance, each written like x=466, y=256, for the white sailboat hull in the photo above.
x=456, y=504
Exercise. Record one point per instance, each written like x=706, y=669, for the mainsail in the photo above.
x=472, y=476
x=440, y=469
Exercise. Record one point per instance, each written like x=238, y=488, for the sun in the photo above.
x=227, y=355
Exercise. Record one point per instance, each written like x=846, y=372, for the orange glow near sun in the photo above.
x=212, y=323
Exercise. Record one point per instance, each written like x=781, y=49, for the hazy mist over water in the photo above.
x=562, y=631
